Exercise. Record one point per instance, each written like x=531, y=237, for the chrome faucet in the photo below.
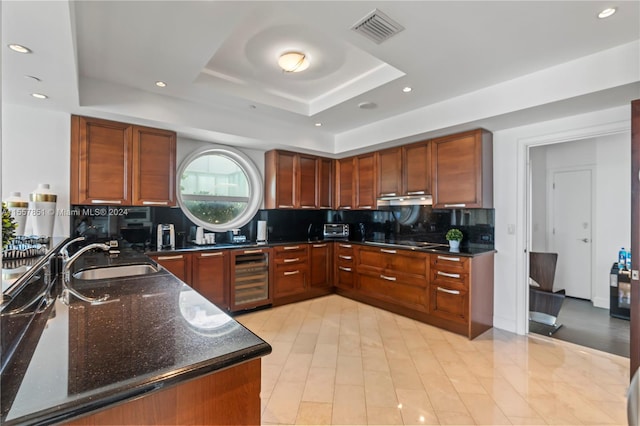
x=66, y=264
x=64, y=251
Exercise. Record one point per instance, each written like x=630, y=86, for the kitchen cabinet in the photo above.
x=179, y=264
x=210, y=276
x=290, y=271
x=390, y=172
x=365, y=181
x=320, y=265
x=462, y=169
x=344, y=183
x=398, y=277
x=405, y=170
x=461, y=293
x=294, y=180
x=117, y=163
x=344, y=266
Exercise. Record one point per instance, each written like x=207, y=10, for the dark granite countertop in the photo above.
x=467, y=251
x=152, y=331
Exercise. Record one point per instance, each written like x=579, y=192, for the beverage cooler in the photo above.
x=620, y=292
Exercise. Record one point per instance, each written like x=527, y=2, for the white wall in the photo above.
x=609, y=157
x=35, y=149
x=510, y=200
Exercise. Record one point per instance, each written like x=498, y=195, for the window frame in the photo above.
x=254, y=178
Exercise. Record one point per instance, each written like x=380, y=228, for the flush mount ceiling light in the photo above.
x=607, y=12
x=161, y=83
x=19, y=48
x=407, y=89
x=293, y=62
x=318, y=124
x=39, y=96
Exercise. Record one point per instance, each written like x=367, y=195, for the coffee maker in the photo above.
x=166, y=236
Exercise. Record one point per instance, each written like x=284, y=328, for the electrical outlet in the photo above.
x=634, y=274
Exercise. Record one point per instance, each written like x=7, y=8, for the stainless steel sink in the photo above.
x=118, y=271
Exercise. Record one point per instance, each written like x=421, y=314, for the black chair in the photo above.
x=544, y=303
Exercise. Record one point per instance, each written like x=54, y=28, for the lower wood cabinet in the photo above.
x=345, y=271
x=207, y=272
x=290, y=271
x=320, y=255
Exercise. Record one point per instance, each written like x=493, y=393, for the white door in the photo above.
x=571, y=231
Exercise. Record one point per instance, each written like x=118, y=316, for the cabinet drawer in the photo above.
x=397, y=261
x=389, y=289
x=449, y=262
x=344, y=276
x=290, y=280
x=456, y=280
x=289, y=255
x=449, y=303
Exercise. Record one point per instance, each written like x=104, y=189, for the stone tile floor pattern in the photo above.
x=338, y=361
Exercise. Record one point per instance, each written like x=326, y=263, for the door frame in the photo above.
x=593, y=224
x=524, y=183
x=634, y=350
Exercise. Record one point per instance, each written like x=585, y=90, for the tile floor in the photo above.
x=337, y=361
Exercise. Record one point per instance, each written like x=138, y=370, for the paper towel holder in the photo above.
x=261, y=232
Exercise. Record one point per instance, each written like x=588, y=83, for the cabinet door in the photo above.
x=178, y=264
x=462, y=170
x=320, y=265
x=390, y=172
x=325, y=183
x=154, y=167
x=279, y=180
x=417, y=169
x=307, y=178
x=344, y=183
x=209, y=276
x=366, y=181
x=100, y=161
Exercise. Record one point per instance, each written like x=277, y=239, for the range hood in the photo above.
x=405, y=200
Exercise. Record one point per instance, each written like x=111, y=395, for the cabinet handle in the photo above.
x=455, y=205
x=106, y=201
x=384, y=277
x=307, y=207
x=291, y=272
x=345, y=207
x=170, y=257
x=389, y=194
x=342, y=256
x=319, y=245
x=388, y=251
x=415, y=192
x=282, y=206
x=211, y=254
x=444, y=290
x=344, y=268
x=296, y=259
x=252, y=251
x=155, y=203
x=345, y=245
x=452, y=259
x=366, y=207
x=291, y=248
x=445, y=274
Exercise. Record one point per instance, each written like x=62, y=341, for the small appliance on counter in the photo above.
x=336, y=230
x=261, y=232
x=166, y=236
x=235, y=237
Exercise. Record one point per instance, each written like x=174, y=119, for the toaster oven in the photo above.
x=335, y=230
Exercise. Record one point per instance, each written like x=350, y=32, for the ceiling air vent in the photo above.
x=377, y=26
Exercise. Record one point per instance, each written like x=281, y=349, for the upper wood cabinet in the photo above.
x=365, y=180
x=344, y=183
x=405, y=170
x=121, y=164
x=294, y=180
x=462, y=168
x=390, y=172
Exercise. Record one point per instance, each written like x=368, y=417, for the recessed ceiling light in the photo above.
x=607, y=12
x=161, y=83
x=293, y=62
x=367, y=105
x=318, y=124
x=19, y=48
x=407, y=89
x=39, y=95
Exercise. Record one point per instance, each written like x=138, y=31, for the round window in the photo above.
x=219, y=188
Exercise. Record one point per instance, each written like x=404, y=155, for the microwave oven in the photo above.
x=335, y=230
